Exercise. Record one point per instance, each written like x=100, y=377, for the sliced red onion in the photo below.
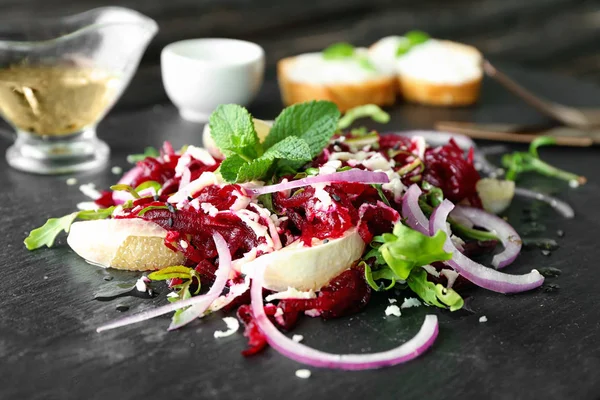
x=511, y=241
x=316, y=358
x=481, y=275
x=560, y=206
x=198, y=304
x=412, y=211
x=350, y=176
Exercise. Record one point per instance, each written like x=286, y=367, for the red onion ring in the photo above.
x=480, y=275
x=560, y=206
x=510, y=239
x=316, y=358
x=198, y=304
x=412, y=212
x=350, y=176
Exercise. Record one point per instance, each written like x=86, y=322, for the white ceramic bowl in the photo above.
x=200, y=74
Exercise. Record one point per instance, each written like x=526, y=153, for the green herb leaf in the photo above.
x=232, y=129
x=176, y=271
x=407, y=248
x=368, y=110
x=125, y=188
x=46, y=234
x=150, y=208
x=338, y=51
x=255, y=169
x=381, y=194
x=148, y=152
x=365, y=63
x=291, y=148
x=148, y=184
x=435, y=195
x=266, y=200
x=432, y=294
x=314, y=121
x=413, y=38
x=230, y=167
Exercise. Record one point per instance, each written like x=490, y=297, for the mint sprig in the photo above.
x=47, y=233
x=298, y=134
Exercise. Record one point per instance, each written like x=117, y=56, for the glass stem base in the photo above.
x=80, y=152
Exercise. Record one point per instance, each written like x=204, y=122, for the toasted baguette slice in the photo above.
x=131, y=244
x=308, y=268
x=441, y=73
x=344, y=82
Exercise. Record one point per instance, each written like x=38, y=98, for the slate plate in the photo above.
x=536, y=345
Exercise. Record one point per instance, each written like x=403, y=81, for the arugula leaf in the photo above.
x=176, y=271
x=338, y=51
x=233, y=131
x=47, y=233
x=368, y=110
x=148, y=152
x=371, y=277
x=432, y=294
x=519, y=162
x=314, y=121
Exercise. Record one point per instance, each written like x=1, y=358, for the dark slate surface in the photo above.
x=540, y=345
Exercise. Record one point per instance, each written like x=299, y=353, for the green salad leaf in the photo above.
x=47, y=233
x=433, y=294
x=519, y=162
x=148, y=152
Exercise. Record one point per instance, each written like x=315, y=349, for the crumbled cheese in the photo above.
x=451, y=275
x=431, y=270
x=116, y=170
x=297, y=338
x=483, y=318
x=420, y=145
x=410, y=302
x=457, y=242
x=71, y=181
x=183, y=244
x=140, y=285
x=251, y=220
x=324, y=199
x=330, y=167
x=172, y=294
x=312, y=313
x=232, y=326
x=291, y=293
x=89, y=189
x=357, y=157
x=303, y=373
x=204, y=180
x=573, y=183
x=209, y=209
x=394, y=185
x=87, y=205
x=242, y=201
x=393, y=310
x=201, y=155
x=377, y=162
x=392, y=301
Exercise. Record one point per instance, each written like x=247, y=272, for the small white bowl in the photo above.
x=200, y=74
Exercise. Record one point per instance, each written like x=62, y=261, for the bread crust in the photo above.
x=380, y=91
x=436, y=94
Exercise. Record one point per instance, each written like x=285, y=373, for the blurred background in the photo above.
x=560, y=36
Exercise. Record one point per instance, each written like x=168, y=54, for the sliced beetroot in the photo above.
x=376, y=219
x=256, y=340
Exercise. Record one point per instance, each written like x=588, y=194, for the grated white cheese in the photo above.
x=232, y=326
x=330, y=167
x=291, y=293
x=140, y=285
x=297, y=338
x=209, y=209
x=324, y=199
x=71, y=181
x=89, y=189
x=393, y=310
x=116, y=170
x=482, y=319
x=303, y=373
x=377, y=162
x=410, y=302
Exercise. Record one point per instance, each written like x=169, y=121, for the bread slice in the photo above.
x=437, y=72
x=303, y=78
x=131, y=244
x=441, y=73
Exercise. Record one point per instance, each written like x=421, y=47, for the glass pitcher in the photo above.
x=59, y=78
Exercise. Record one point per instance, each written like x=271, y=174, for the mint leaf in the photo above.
x=368, y=110
x=46, y=234
x=148, y=152
x=338, y=51
x=432, y=294
x=232, y=129
x=230, y=166
x=314, y=121
x=291, y=148
x=255, y=169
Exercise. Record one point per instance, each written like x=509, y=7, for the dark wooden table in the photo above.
x=543, y=344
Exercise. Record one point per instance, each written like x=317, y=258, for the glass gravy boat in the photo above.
x=59, y=78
